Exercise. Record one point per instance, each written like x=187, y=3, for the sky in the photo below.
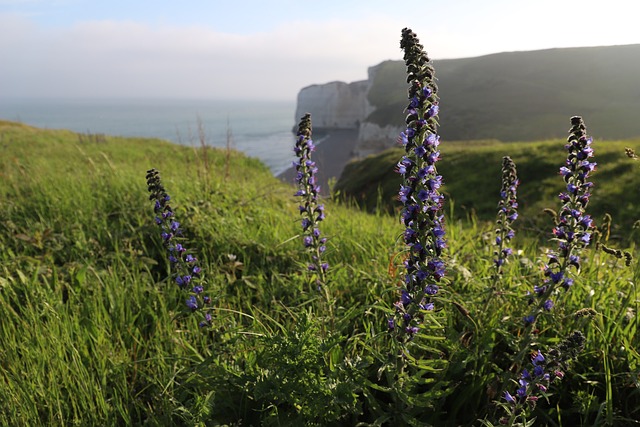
x=267, y=49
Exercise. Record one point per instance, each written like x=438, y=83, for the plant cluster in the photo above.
x=426, y=258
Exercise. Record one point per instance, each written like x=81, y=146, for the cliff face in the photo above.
x=335, y=105
x=373, y=138
x=339, y=105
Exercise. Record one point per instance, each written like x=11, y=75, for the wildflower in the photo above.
x=207, y=320
x=585, y=312
x=530, y=383
x=546, y=369
x=431, y=289
x=419, y=192
x=507, y=212
x=508, y=397
x=308, y=190
x=185, y=270
x=192, y=303
x=391, y=323
x=630, y=152
x=573, y=226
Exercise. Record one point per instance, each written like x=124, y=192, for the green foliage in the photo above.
x=94, y=333
x=296, y=381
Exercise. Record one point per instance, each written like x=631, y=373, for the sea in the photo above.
x=262, y=129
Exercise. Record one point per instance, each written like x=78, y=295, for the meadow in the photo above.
x=96, y=331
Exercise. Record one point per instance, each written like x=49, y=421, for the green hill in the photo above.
x=525, y=96
x=471, y=174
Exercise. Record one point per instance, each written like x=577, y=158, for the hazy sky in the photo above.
x=268, y=49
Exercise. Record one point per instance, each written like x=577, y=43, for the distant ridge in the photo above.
x=509, y=96
x=526, y=96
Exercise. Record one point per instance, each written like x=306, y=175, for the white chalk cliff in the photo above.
x=335, y=105
x=340, y=105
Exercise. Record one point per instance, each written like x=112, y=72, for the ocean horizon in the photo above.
x=261, y=129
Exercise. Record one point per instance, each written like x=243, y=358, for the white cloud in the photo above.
x=134, y=59
x=129, y=59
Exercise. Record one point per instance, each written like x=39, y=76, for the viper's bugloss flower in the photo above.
x=545, y=370
x=192, y=303
x=509, y=398
x=573, y=226
x=419, y=193
x=184, y=266
x=308, y=190
x=530, y=383
x=507, y=213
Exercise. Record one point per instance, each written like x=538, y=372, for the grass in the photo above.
x=94, y=332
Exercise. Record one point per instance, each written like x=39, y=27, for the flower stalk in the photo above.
x=311, y=211
x=573, y=226
x=186, y=271
x=544, y=371
x=419, y=194
x=507, y=214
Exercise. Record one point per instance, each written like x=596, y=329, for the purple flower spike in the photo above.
x=419, y=193
x=312, y=212
x=573, y=226
x=545, y=370
x=185, y=270
x=507, y=213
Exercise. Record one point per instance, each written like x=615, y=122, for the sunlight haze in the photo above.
x=266, y=50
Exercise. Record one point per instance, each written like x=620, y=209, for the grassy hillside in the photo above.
x=524, y=96
x=471, y=173
x=95, y=331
